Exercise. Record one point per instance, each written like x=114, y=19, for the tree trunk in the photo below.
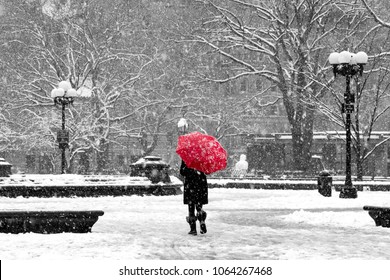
x=301, y=120
x=102, y=156
x=359, y=170
x=302, y=139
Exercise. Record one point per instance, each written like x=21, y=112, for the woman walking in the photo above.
x=195, y=195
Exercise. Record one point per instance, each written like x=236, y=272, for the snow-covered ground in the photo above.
x=242, y=224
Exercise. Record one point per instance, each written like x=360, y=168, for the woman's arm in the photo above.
x=183, y=169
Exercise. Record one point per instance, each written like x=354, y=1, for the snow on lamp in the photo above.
x=344, y=57
x=353, y=59
x=71, y=92
x=65, y=85
x=347, y=63
x=64, y=94
x=57, y=92
x=361, y=58
x=334, y=58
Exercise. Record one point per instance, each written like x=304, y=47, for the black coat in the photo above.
x=195, y=185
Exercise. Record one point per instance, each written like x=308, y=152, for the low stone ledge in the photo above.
x=48, y=221
x=296, y=185
x=89, y=190
x=381, y=215
x=266, y=185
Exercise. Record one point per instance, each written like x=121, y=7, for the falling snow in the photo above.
x=242, y=224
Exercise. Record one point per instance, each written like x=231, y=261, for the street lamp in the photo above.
x=348, y=64
x=182, y=126
x=63, y=95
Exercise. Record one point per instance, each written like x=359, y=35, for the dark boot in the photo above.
x=202, y=215
x=192, y=221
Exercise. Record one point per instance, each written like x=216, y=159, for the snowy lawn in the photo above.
x=242, y=224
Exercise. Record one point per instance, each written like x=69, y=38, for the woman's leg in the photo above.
x=191, y=219
x=201, y=215
x=191, y=209
x=198, y=207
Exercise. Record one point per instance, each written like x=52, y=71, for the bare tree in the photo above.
x=288, y=41
x=99, y=47
x=374, y=14
x=370, y=91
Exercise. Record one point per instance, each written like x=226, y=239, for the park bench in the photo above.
x=48, y=221
x=381, y=215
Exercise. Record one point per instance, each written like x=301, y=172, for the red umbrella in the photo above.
x=202, y=152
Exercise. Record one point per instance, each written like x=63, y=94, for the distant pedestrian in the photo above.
x=195, y=195
x=241, y=167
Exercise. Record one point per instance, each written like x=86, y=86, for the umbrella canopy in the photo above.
x=202, y=152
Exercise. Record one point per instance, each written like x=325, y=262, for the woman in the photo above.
x=195, y=195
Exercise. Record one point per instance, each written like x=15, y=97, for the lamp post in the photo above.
x=63, y=95
x=182, y=126
x=348, y=64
